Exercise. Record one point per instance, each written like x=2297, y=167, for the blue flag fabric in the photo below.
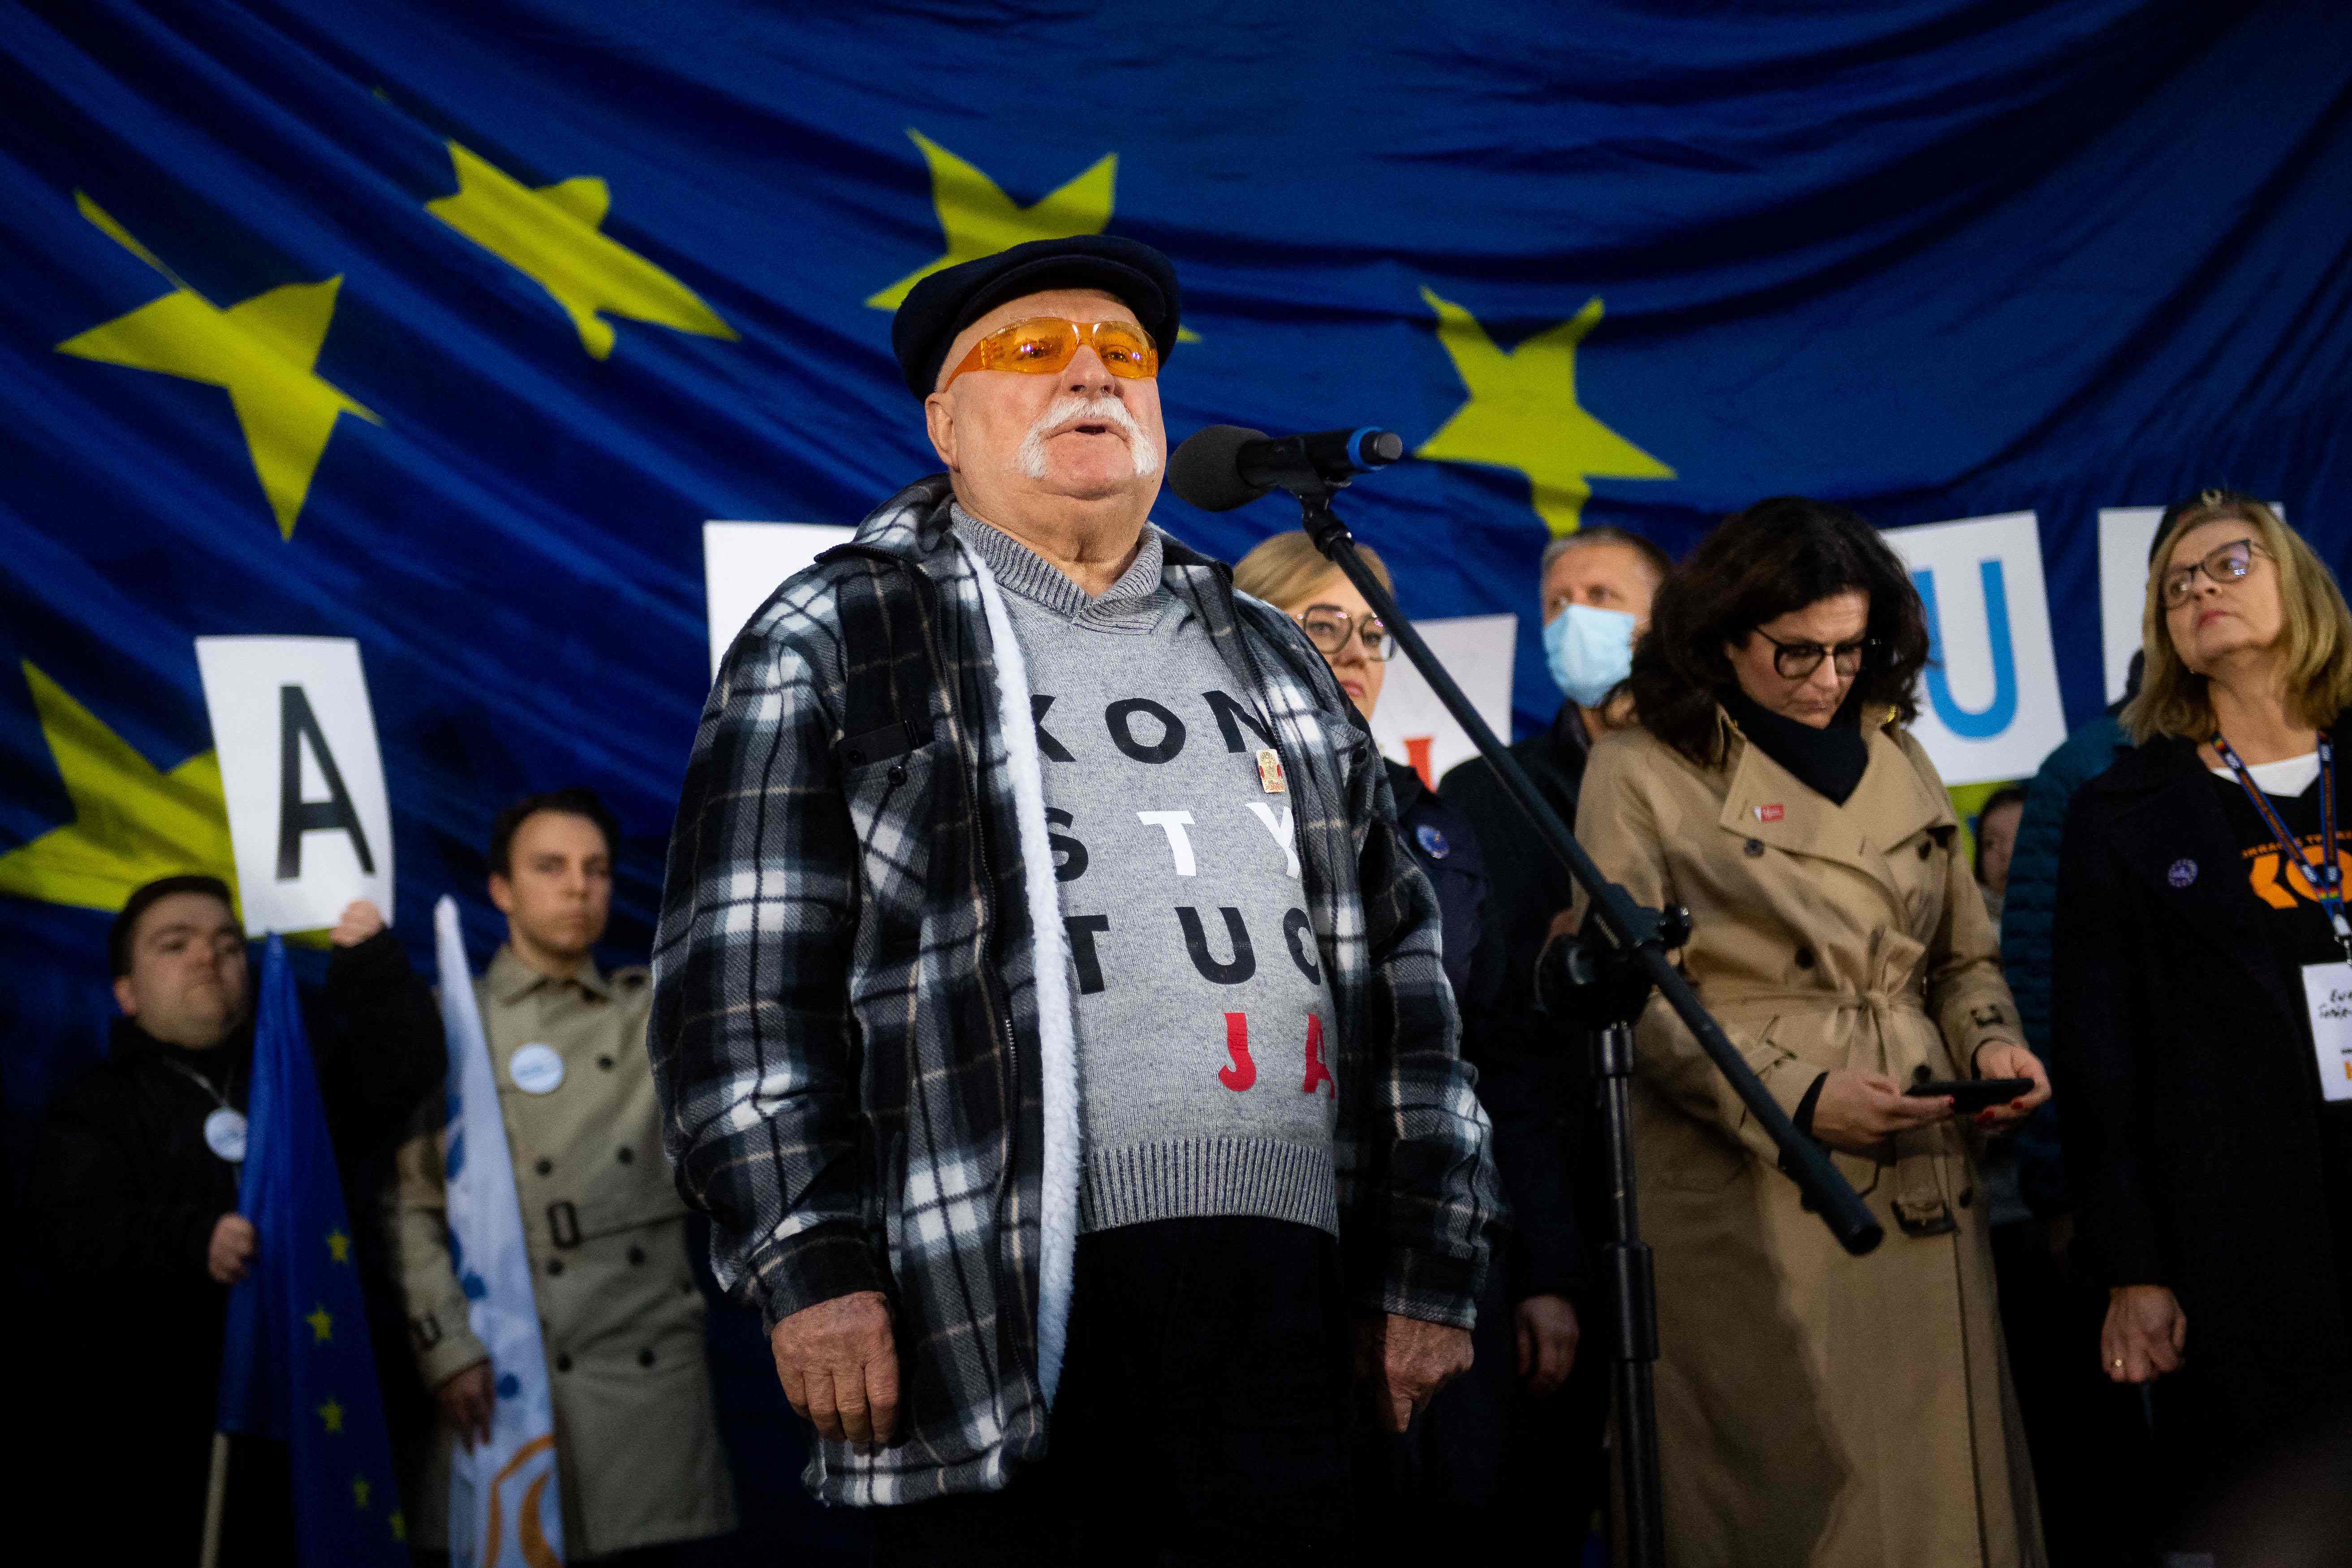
x=297, y=1364
x=448, y=326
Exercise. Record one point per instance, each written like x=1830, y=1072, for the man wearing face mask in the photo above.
x=1597, y=585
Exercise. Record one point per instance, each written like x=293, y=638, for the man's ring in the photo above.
x=2119, y=1360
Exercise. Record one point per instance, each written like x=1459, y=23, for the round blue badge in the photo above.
x=2182, y=872
x=1433, y=841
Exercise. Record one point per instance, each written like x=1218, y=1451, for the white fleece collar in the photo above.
x=1057, y=1033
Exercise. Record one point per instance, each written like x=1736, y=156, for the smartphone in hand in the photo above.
x=1971, y=1095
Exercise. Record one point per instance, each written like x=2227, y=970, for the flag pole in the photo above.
x=215, y=1503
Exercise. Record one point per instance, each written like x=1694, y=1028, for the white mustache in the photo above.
x=1074, y=406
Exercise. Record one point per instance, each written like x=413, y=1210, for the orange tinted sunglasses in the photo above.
x=1043, y=345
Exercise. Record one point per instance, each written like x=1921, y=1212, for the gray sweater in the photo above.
x=1201, y=1008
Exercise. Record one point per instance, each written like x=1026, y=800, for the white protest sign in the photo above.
x=1413, y=727
x=304, y=781
x=2125, y=534
x=744, y=562
x=1989, y=704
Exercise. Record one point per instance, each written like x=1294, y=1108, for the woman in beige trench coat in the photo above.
x=1814, y=1407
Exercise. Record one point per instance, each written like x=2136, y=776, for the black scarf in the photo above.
x=1828, y=760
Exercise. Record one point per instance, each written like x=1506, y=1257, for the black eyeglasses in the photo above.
x=1329, y=627
x=1796, y=660
x=2226, y=565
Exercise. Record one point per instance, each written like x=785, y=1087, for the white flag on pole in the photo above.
x=503, y=1508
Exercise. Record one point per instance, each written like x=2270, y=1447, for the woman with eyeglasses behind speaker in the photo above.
x=1815, y=1407
x=2203, y=969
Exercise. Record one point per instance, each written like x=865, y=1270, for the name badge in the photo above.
x=2328, y=991
x=1269, y=773
x=224, y=1134
x=536, y=1069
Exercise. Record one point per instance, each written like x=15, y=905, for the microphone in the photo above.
x=1225, y=466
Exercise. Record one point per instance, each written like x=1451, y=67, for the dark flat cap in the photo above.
x=952, y=298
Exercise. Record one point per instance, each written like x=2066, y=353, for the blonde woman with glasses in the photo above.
x=2203, y=966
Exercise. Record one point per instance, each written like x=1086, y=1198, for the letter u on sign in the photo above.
x=1994, y=717
x=302, y=776
x=1988, y=700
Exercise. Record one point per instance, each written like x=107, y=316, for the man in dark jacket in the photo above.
x=136, y=1187
x=1596, y=588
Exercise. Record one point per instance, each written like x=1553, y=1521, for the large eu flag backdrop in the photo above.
x=446, y=326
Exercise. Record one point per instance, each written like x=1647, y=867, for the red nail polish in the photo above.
x=2017, y=1105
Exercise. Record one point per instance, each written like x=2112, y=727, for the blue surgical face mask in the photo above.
x=1589, y=650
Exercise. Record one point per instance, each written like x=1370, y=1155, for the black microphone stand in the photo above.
x=1610, y=970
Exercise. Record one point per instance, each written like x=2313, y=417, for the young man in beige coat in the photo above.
x=637, y=1450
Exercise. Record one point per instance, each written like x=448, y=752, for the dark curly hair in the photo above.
x=1779, y=555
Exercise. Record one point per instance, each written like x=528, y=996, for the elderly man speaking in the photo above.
x=1047, y=1014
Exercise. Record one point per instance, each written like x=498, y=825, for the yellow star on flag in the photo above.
x=1523, y=414
x=321, y=1324
x=399, y=1525
x=360, y=1493
x=553, y=237
x=132, y=822
x=263, y=351
x=979, y=219
x=332, y=1414
x=339, y=1246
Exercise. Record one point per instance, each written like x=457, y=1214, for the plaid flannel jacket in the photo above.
x=844, y=1031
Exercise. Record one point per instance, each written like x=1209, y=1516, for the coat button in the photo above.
x=555, y=1266
x=1968, y=1197
x=1921, y=1074
x=563, y=1363
x=636, y=1255
x=1754, y=849
x=626, y=1155
x=1805, y=959
x=645, y=1358
x=604, y=1062
x=544, y=1167
x=897, y=776
x=1926, y=847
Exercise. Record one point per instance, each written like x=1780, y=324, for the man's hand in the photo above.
x=1547, y=1335
x=467, y=1398
x=1408, y=1361
x=2000, y=1058
x=2144, y=1333
x=230, y=1252
x=839, y=1366
x=361, y=920
x=1857, y=1111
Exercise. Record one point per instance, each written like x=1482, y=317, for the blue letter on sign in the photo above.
x=1994, y=717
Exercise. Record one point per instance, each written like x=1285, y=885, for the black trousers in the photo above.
x=1487, y=1461
x=1202, y=1418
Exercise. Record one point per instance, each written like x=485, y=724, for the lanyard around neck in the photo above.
x=200, y=1082
x=2325, y=874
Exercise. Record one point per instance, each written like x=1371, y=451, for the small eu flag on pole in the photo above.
x=297, y=1364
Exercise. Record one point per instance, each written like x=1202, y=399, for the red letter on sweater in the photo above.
x=1243, y=1072
x=1317, y=1075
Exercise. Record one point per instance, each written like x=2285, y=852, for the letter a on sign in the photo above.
x=304, y=781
